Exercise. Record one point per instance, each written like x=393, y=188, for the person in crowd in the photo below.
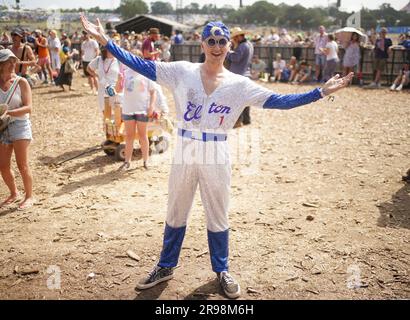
x=65, y=77
x=166, y=49
x=284, y=38
x=304, y=73
x=258, y=68
x=351, y=58
x=279, y=66
x=381, y=54
x=293, y=67
x=298, y=44
x=89, y=51
x=138, y=106
x=148, y=46
x=179, y=39
x=332, y=59
x=54, y=46
x=125, y=41
x=320, y=58
x=24, y=53
x=5, y=38
x=273, y=38
x=16, y=94
x=106, y=69
x=43, y=57
x=240, y=60
x=402, y=79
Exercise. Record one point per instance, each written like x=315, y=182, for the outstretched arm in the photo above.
x=277, y=101
x=144, y=67
x=262, y=97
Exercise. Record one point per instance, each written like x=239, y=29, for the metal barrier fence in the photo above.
x=192, y=52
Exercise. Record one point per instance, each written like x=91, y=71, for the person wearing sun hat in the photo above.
x=16, y=101
x=240, y=63
x=208, y=101
x=148, y=46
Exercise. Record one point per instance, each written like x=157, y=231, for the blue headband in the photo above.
x=216, y=29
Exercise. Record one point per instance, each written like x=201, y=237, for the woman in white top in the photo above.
x=332, y=58
x=351, y=58
x=107, y=69
x=278, y=66
x=15, y=92
x=166, y=49
x=138, y=106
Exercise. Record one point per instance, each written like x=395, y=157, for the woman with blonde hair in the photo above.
x=15, y=92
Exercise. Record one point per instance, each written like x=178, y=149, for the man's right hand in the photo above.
x=96, y=30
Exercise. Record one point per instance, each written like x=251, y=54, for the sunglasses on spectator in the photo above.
x=212, y=42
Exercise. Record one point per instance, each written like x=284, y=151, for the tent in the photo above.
x=143, y=22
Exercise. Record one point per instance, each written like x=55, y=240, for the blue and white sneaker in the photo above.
x=229, y=285
x=157, y=275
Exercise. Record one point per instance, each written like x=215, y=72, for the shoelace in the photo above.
x=154, y=271
x=227, y=279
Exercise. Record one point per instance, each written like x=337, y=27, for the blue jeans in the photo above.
x=16, y=130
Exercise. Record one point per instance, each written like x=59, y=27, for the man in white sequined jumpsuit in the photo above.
x=208, y=100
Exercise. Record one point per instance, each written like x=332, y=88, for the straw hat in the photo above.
x=237, y=31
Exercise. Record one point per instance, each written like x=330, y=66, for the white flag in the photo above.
x=354, y=20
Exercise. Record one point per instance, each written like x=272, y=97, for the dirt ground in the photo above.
x=318, y=209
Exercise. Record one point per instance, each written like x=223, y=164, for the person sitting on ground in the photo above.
x=293, y=67
x=258, y=67
x=402, y=79
x=304, y=73
x=279, y=66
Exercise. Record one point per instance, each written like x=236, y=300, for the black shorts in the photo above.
x=85, y=65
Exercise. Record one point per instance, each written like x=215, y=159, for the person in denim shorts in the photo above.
x=138, y=105
x=16, y=93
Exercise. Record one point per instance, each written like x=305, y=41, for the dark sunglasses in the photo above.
x=211, y=42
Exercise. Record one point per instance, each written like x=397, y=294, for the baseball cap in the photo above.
x=18, y=32
x=6, y=54
x=215, y=28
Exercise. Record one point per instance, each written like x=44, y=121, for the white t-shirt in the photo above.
x=281, y=65
x=137, y=89
x=53, y=44
x=107, y=71
x=88, y=48
x=333, y=48
x=197, y=111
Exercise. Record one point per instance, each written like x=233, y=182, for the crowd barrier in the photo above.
x=192, y=52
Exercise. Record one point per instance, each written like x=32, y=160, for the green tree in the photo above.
x=130, y=8
x=193, y=8
x=159, y=7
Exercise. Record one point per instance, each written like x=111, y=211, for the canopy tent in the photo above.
x=144, y=22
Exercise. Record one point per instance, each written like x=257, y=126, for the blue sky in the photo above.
x=348, y=5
